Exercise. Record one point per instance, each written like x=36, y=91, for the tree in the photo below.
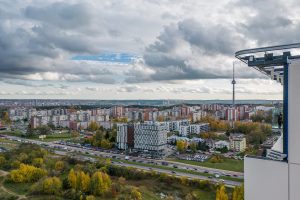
x=83, y=181
x=100, y=183
x=59, y=166
x=135, y=194
x=2, y=161
x=52, y=185
x=181, y=146
x=90, y=197
x=38, y=162
x=44, y=130
x=238, y=193
x=93, y=126
x=193, y=147
x=160, y=118
x=27, y=173
x=5, y=118
x=221, y=193
x=72, y=178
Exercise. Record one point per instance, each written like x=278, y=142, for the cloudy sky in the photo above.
x=139, y=49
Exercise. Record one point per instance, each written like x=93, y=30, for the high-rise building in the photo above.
x=150, y=136
x=125, y=136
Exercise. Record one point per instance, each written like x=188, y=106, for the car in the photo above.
x=210, y=177
x=173, y=172
x=175, y=166
x=206, y=171
x=195, y=169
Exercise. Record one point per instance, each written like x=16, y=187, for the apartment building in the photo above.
x=150, y=136
x=237, y=142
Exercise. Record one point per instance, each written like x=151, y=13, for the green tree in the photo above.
x=193, y=147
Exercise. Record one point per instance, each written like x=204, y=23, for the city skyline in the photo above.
x=138, y=49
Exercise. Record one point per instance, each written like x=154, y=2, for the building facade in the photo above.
x=152, y=137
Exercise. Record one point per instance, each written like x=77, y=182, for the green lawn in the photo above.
x=18, y=188
x=151, y=189
x=6, y=196
x=228, y=164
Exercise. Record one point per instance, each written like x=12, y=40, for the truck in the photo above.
x=126, y=157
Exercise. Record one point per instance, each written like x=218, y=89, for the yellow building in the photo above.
x=237, y=142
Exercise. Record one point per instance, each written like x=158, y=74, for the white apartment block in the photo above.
x=221, y=144
x=122, y=136
x=237, y=142
x=197, y=116
x=151, y=137
x=199, y=128
x=184, y=130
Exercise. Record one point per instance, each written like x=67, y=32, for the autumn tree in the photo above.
x=193, y=146
x=238, y=193
x=38, y=162
x=90, y=197
x=135, y=194
x=72, y=178
x=59, y=166
x=181, y=146
x=221, y=193
x=27, y=173
x=5, y=118
x=83, y=181
x=52, y=185
x=2, y=161
x=100, y=183
x=93, y=126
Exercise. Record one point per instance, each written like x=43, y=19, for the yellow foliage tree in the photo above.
x=93, y=126
x=59, y=166
x=221, y=193
x=72, y=178
x=27, y=173
x=100, y=183
x=38, y=162
x=181, y=145
x=52, y=185
x=238, y=193
x=135, y=194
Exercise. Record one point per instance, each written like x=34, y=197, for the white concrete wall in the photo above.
x=294, y=112
x=294, y=130
x=265, y=179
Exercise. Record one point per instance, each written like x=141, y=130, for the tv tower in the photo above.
x=233, y=86
x=233, y=82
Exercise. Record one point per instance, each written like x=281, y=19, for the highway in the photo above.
x=68, y=150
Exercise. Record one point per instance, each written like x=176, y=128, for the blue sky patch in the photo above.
x=124, y=58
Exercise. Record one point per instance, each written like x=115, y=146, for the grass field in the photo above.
x=228, y=164
x=151, y=190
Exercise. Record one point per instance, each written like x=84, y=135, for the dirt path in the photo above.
x=20, y=197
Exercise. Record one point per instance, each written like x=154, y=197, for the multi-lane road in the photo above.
x=83, y=153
